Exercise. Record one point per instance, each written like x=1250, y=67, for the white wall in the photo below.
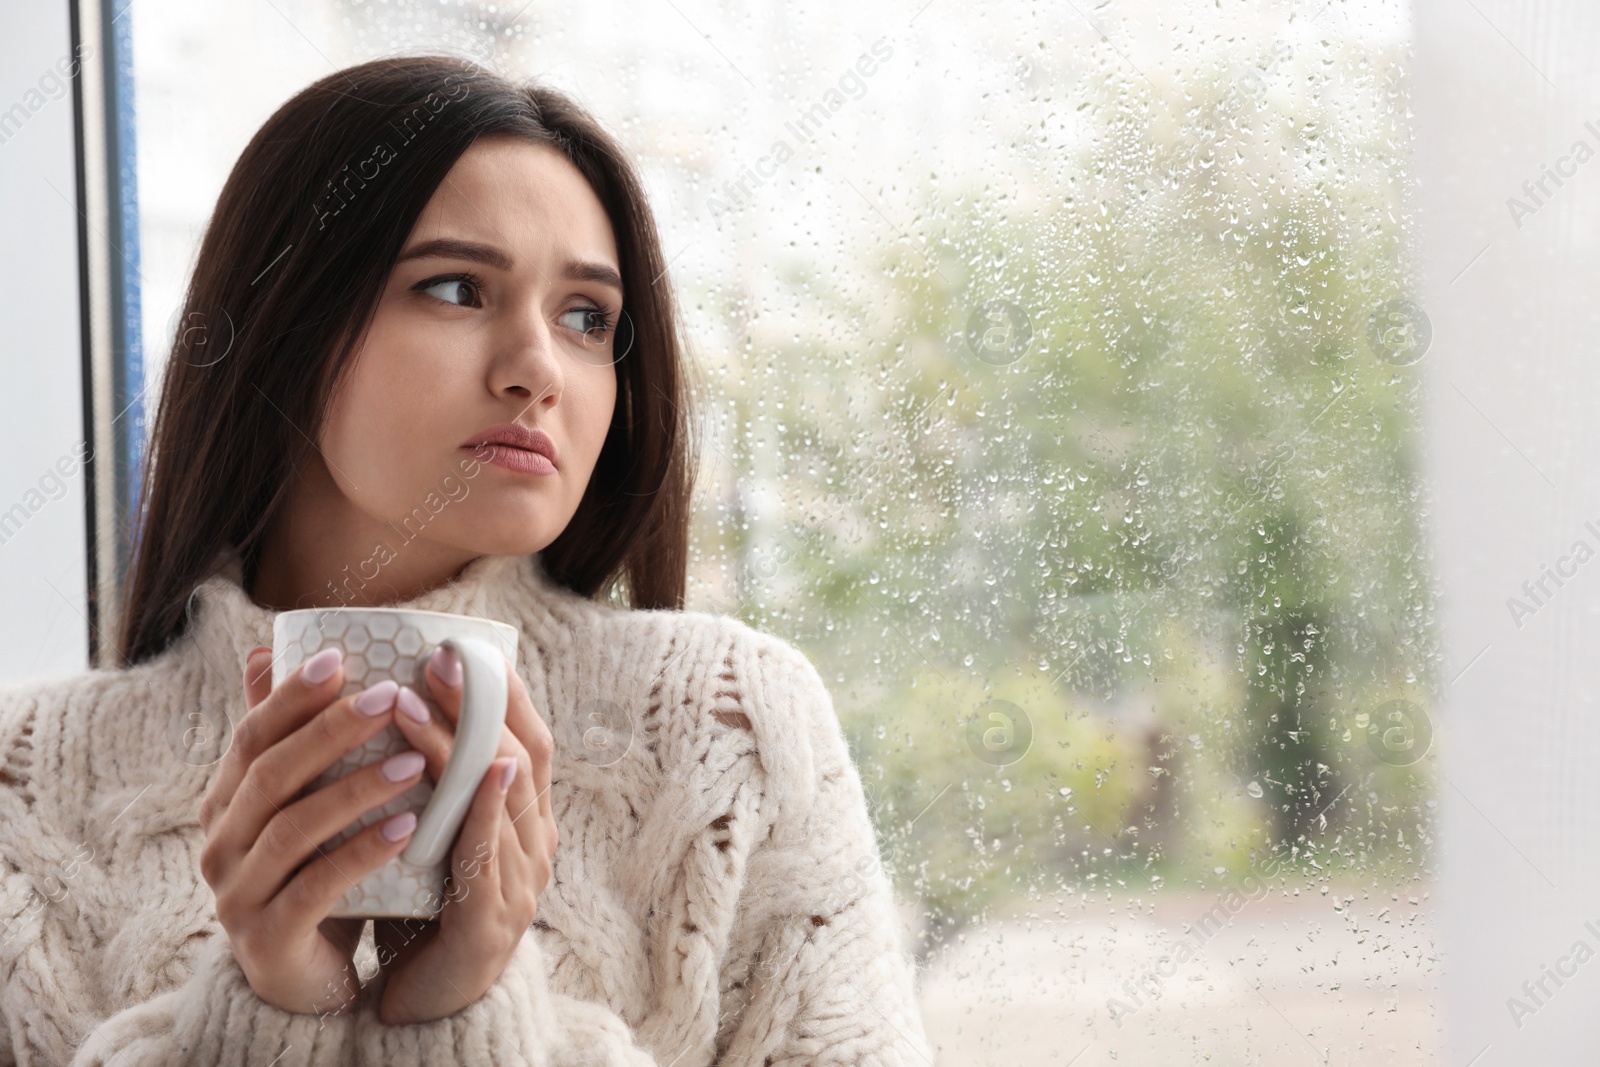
x=43, y=579
x=1502, y=90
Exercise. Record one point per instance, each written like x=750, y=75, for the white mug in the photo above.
x=395, y=643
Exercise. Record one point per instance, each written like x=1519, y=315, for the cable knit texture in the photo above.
x=716, y=898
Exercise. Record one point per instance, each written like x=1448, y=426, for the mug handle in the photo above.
x=483, y=715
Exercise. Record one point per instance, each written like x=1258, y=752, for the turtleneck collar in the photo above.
x=225, y=623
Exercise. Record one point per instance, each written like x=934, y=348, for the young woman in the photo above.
x=429, y=359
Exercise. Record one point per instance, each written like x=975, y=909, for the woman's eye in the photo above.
x=586, y=320
x=456, y=291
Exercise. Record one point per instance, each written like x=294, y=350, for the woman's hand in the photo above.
x=501, y=862
x=258, y=834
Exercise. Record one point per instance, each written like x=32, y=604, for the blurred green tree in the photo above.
x=1111, y=442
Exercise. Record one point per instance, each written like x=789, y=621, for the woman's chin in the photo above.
x=512, y=543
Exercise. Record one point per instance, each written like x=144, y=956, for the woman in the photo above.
x=428, y=359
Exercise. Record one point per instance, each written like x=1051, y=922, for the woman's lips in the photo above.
x=515, y=459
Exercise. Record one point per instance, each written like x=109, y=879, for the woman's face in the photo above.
x=501, y=310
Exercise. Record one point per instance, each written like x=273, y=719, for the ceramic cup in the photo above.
x=395, y=643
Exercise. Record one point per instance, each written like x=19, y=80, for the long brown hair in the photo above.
x=296, y=256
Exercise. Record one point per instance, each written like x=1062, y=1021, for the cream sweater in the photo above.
x=717, y=896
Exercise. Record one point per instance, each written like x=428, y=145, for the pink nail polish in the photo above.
x=378, y=698
x=397, y=827
x=412, y=706
x=320, y=668
x=403, y=765
x=444, y=663
x=508, y=775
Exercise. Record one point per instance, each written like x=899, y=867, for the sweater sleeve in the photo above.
x=217, y=1019
x=823, y=978
x=213, y=1018
x=518, y=1021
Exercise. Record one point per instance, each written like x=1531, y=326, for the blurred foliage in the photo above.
x=1181, y=529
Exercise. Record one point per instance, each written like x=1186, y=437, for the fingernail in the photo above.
x=398, y=768
x=444, y=663
x=253, y=663
x=508, y=775
x=377, y=698
x=412, y=706
x=399, y=826
x=320, y=668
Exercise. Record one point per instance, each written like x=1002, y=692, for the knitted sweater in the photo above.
x=716, y=898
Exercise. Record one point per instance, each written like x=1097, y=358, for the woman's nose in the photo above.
x=525, y=361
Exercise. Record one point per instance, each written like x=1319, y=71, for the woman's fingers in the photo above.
x=299, y=830
x=444, y=676
x=318, y=887
x=310, y=688
x=479, y=852
x=273, y=780
x=436, y=740
x=529, y=794
x=530, y=729
x=257, y=687
x=257, y=676
x=428, y=733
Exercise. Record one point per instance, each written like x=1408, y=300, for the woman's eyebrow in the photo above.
x=454, y=248
x=599, y=273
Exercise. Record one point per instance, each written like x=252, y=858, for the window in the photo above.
x=1066, y=371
